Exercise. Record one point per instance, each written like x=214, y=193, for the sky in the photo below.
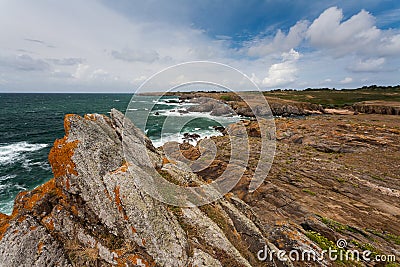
x=114, y=46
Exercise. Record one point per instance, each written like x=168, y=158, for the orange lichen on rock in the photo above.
x=118, y=202
x=107, y=194
x=20, y=218
x=165, y=160
x=40, y=247
x=123, y=168
x=4, y=224
x=26, y=201
x=90, y=117
x=74, y=210
x=118, y=199
x=60, y=156
x=67, y=184
x=48, y=222
x=134, y=260
x=133, y=230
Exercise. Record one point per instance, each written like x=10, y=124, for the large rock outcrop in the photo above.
x=378, y=107
x=92, y=214
x=213, y=102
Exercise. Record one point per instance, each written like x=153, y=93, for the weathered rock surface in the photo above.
x=279, y=107
x=378, y=107
x=333, y=177
x=206, y=104
x=337, y=176
x=92, y=214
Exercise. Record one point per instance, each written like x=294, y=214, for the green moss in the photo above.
x=394, y=238
x=340, y=180
x=323, y=242
x=215, y=215
x=367, y=246
x=308, y=191
x=339, y=227
x=225, y=98
x=387, y=236
x=392, y=264
x=177, y=211
x=326, y=244
x=169, y=177
x=377, y=178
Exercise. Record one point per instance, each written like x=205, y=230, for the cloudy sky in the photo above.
x=113, y=46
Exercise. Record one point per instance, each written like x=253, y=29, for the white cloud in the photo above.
x=100, y=74
x=94, y=35
x=132, y=55
x=98, y=44
x=66, y=61
x=23, y=63
x=280, y=43
x=283, y=73
x=81, y=71
x=368, y=65
x=61, y=74
x=346, y=80
x=357, y=35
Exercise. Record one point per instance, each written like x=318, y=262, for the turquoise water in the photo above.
x=29, y=124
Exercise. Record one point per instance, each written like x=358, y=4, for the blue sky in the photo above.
x=113, y=46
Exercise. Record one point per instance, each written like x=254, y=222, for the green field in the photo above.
x=339, y=98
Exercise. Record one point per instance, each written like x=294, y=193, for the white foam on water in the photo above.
x=7, y=184
x=179, y=137
x=165, y=102
x=176, y=113
x=10, y=153
x=43, y=165
x=6, y=207
x=7, y=177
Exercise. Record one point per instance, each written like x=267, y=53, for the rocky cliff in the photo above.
x=378, y=107
x=279, y=107
x=333, y=178
x=92, y=214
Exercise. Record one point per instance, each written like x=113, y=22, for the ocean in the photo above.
x=30, y=123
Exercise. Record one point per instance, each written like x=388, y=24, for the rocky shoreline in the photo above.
x=326, y=184
x=227, y=103
x=92, y=214
x=279, y=107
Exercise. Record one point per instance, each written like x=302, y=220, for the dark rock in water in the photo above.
x=92, y=213
x=217, y=108
x=173, y=101
x=189, y=137
x=183, y=111
x=219, y=128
